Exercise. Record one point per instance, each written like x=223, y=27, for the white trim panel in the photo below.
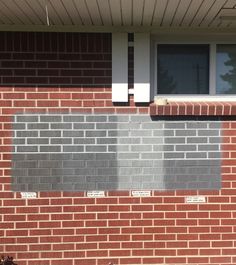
x=141, y=67
x=119, y=67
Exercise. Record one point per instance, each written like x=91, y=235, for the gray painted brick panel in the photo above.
x=129, y=141
x=151, y=156
x=37, y=157
x=128, y=156
x=214, y=163
x=141, y=164
x=37, y=141
x=96, y=148
x=62, y=126
x=20, y=172
x=140, y=118
x=60, y=157
x=38, y=172
x=208, y=132
x=73, y=164
x=106, y=141
x=27, y=118
x=173, y=155
x=196, y=125
x=118, y=133
x=86, y=172
x=73, y=118
x=118, y=148
x=61, y=141
x=208, y=147
x=215, y=125
x=50, y=133
x=186, y=148
x=184, y=163
x=27, y=149
x=214, y=155
x=129, y=126
x=19, y=141
x=88, y=152
x=84, y=126
x=185, y=133
x=152, y=125
x=85, y=156
x=174, y=125
x=95, y=133
x=215, y=140
x=50, y=149
x=26, y=134
x=73, y=133
x=141, y=133
x=174, y=140
x=50, y=164
x=97, y=163
x=62, y=171
x=50, y=118
x=152, y=140
x=163, y=133
x=25, y=164
x=96, y=118
x=74, y=179
x=141, y=148
x=196, y=155
x=37, y=126
x=50, y=180
x=19, y=126
x=106, y=126
x=120, y=163
x=83, y=141
x=163, y=148
x=119, y=119
x=196, y=140
x=68, y=148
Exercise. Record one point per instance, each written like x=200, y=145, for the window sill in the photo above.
x=190, y=108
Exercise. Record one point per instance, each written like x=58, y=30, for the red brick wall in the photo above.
x=63, y=228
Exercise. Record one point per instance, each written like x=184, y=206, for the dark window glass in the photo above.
x=226, y=69
x=182, y=69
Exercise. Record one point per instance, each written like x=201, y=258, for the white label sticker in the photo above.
x=195, y=199
x=95, y=194
x=141, y=193
x=28, y=195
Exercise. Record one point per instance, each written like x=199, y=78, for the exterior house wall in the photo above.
x=62, y=75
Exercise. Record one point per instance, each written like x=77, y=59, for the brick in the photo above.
x=40, y=247
x=165, y=252
x=24, y=103
x=52, y=255
x=175, y=260
x=86, y=262
x=198, y=260
x=196, y=155
x=218, y=260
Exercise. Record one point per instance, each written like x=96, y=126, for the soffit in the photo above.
x=118, y=13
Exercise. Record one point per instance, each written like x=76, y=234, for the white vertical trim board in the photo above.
x=141, y=67
x=119, y=67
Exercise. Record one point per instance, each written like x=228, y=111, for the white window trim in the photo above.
x=212, y=96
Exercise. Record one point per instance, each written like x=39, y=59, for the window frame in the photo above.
x=212, y=70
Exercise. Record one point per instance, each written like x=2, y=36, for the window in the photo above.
x=197, y=69
x=226, y=69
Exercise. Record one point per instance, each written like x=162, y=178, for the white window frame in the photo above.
x=212, y=96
